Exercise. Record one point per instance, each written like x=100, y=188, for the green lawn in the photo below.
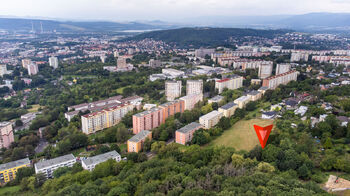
x=120, y=90
x=9, y=190
x=34, y=108
x=241, y=135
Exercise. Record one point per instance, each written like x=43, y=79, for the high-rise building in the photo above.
x=274, y=81
x=103, y=58
x=26, y=62
x=116, y=54
x=105, y=118
x=8, y=170
x=121, y=63
x=172, y=90
x=202, y=52
x=232, y=83
x=265, y=69
x=194, y=87
x=191, y=100
x=32, y=69
x=53, y=61
x=3, y=70
x=282, y=68
x=6, y=134
x=299, y=56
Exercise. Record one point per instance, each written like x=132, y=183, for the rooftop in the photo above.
x=13, y=164
x=55, y=161
x=4, y=124
x=243, y=98
x=189, y=127
x=228, y=106
x=143, y=134
x=147, y=112
x=100, y=158
x=253, y=93
x=211, y=115
x=217, y=98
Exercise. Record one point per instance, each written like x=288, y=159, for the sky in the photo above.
x=170, y=10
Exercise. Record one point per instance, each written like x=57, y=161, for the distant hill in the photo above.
x=19, y=24
x=197, y=37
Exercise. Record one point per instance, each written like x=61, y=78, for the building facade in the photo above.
x=26, y=62
x=6, y=134
x=191, y=100
x=135, y=144
x=265, y=69
x=194, y=87
x=91, y=162
x=274, y=81
x=172, y=90
x=282, y=68
x=8, y=170
x=3, y=70
x=47, y=167
x=32, y=69
x=230, y=83
x=242, y=101
x=53, y=61
x=105, y=118
x=185, y=134
x=229, y=109
x=211, y=119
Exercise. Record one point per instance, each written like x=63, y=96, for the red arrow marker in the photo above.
x=263, y=134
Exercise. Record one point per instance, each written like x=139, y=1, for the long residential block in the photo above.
x=91, y=162
x=229, y=109
x=211, y=119
x=185, y=134
x=135, y=144
x=230, y=83
x=47, y=167
x=274, y=81
x=8, y=170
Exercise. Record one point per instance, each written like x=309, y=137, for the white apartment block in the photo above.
x=194, y=87
x=265, y=69
x=230, y=83
x=191, y=100
x=47, y=167
x=299, y=56
x=91, y=162
x=53, y=61
x=105, y=118
x=282, y=68
x=211, y=119
x=3, y=70
x=274, y=81
x=26, y=62
x=172, y=90
x=242, y=101
x=32, y=69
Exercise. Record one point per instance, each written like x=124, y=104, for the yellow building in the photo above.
x=135, y=143
x=8, y=170
x=228, y=110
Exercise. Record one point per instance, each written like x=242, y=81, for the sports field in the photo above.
x=242, y=135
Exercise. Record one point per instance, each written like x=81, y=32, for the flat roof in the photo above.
x=147, y=112
x=216, y=98
x=253, y=92
x=55, y=161
x=141, y=135
x=211, y=115
x=4, y=124
x=243, y=98
x=228, y=105
x=13, y=164
x=189, y=127
x=100, y=158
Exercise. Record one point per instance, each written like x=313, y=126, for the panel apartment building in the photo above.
x=105, y=118
x=185, y=134
x=265, y=69
x=135, y=144
x=6, y=134
x=47, y=167
x=172, y=90
x=154, y=117
x=8, y=170
x=232, y=83
x=191, y=100
x=194, y=87
x=274, y=81
x=211, y=119
x=91, y=162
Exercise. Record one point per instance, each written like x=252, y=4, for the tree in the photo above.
x=18, y=123
x=265, y=167
x=23, y=173
x=147, y=145
x=61, y=171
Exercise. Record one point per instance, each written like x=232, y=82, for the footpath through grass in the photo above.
x=241, y=135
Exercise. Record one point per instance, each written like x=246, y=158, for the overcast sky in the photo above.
x=126, y=10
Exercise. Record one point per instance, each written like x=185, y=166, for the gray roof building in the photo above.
x=228, y=105
x=189, y=127
x=100, y=158
x=140, y=136
x=13, y=164
x=55, y=161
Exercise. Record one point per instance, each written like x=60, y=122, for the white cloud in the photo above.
x=164, y=9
